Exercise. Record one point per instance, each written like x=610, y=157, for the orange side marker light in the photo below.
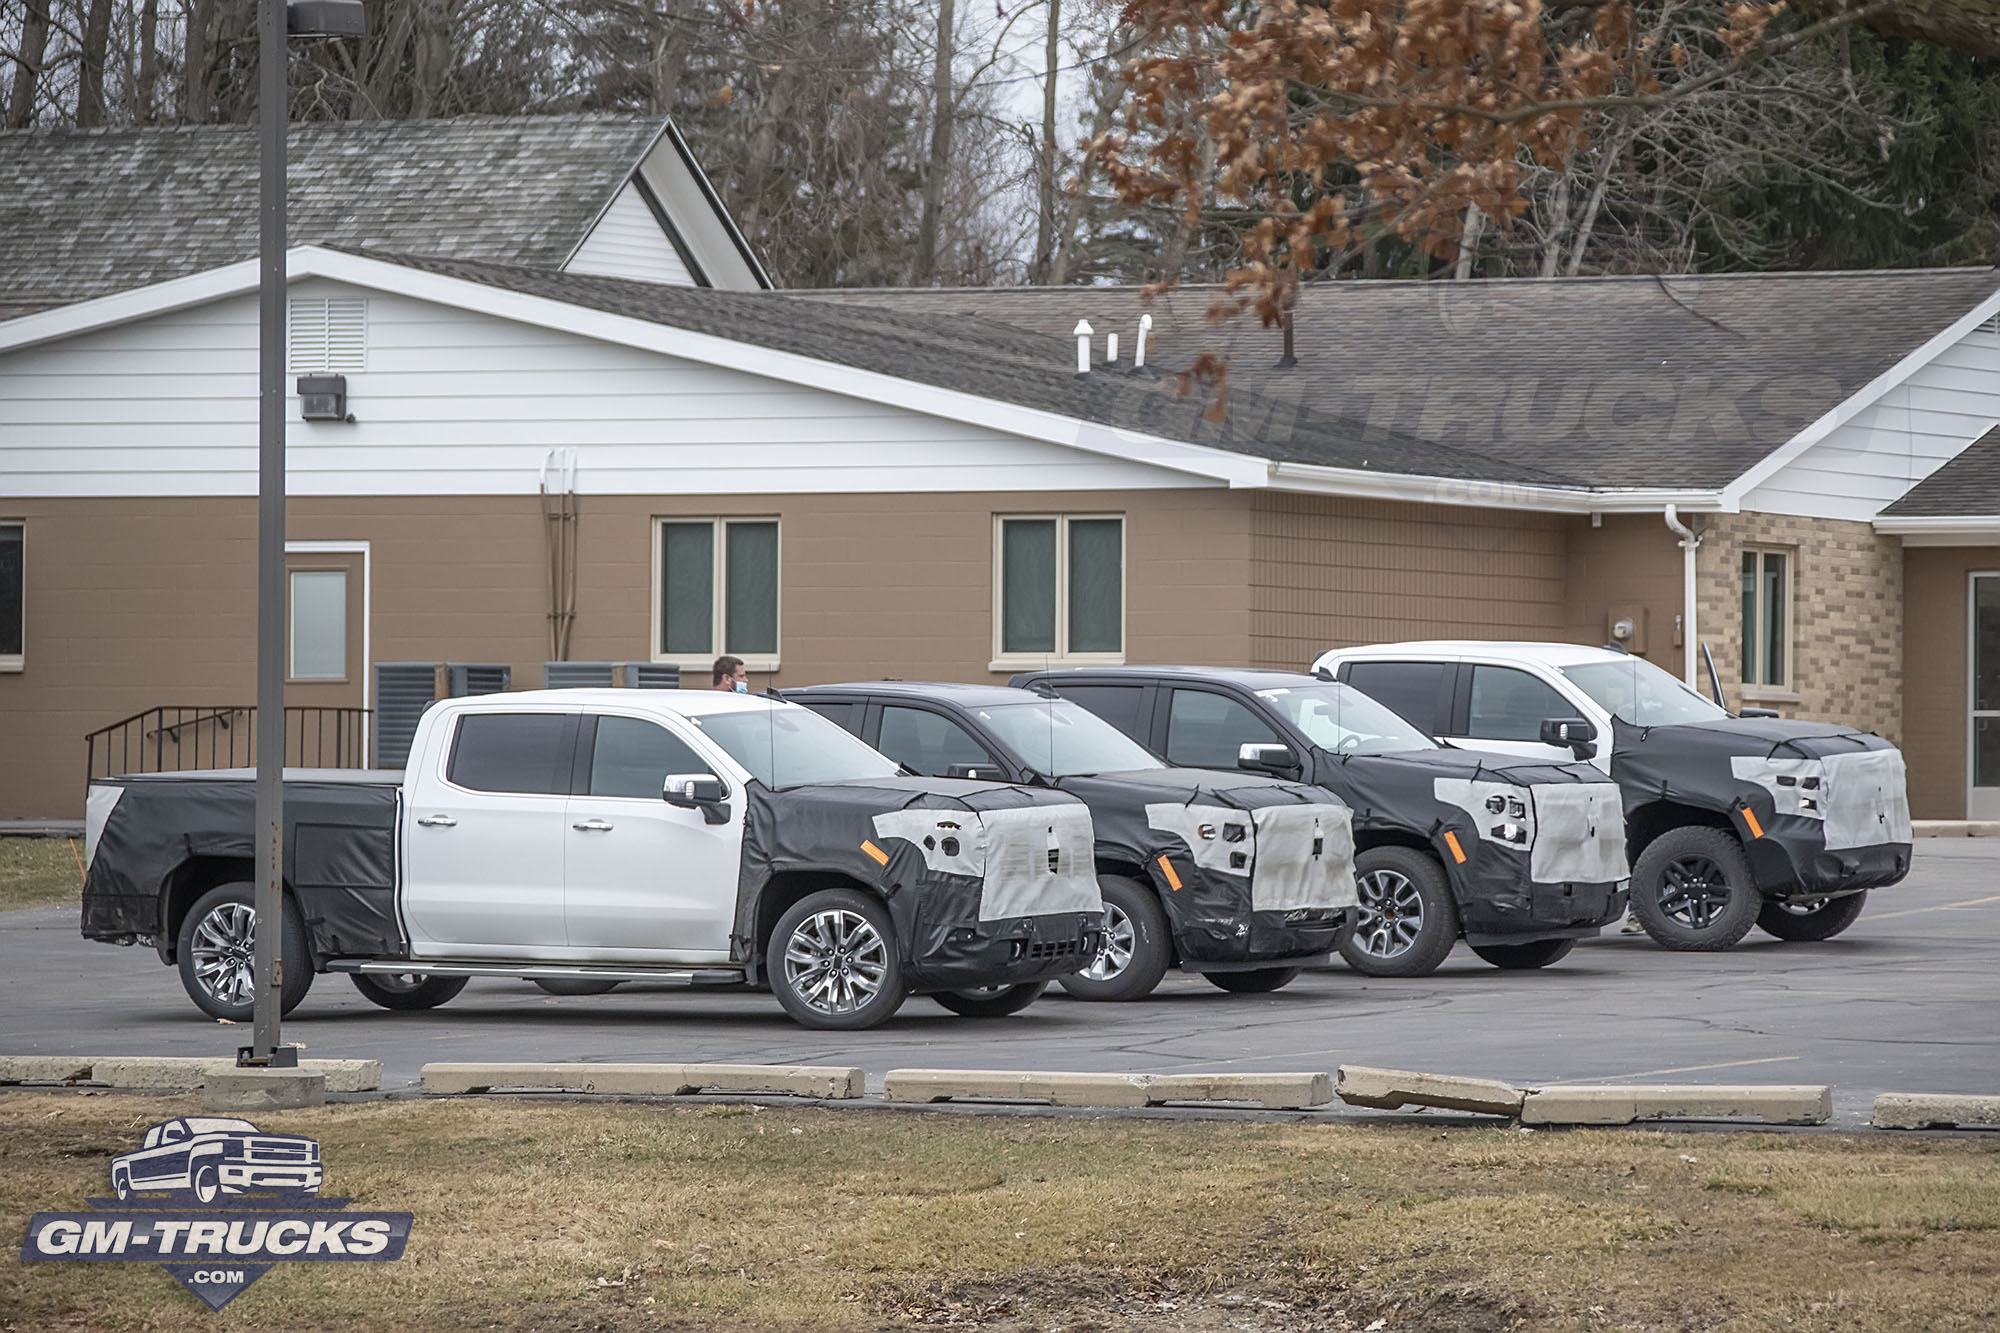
x=1750, y=819
x=1167, y=869
x=876, y=854
x=1451, y=841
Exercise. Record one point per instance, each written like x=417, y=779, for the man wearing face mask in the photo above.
x=730, y=677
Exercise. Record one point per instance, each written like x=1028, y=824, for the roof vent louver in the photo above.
x=403, y=690
x=328, y=334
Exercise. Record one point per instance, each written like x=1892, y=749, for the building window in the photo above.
x=1767, y=619
x=1061, y=589
x=716, y=591
x=13, y=594
x=319, y=624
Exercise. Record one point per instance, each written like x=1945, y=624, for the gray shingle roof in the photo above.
x=995, y=361
x=1967, y=486
x=88, y=213
x=1680, y=382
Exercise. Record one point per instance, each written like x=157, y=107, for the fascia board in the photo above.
x=1236, y=470
x=1312, y=478
x=124, y=307
x=1983, y=526
x=1855, y=403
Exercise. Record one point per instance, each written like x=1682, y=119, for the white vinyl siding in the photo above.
x=628, y=242
x=458, y=403
x=1890, y=446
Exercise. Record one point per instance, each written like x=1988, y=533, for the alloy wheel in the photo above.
x=1694, y=891
x=836, y=961
x=1391, y=915
x=224, y=946
x=1115, y=954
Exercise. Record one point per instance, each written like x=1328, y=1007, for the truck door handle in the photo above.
x=592, y=826
x=438, y=821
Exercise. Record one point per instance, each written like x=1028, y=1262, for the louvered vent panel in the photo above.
x=575, y=675
x=403, y=690
x=479, y=678
x=601, y=675
x=328, y=335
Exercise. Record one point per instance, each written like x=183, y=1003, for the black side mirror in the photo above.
x=1758, y=712
x=977, y=772
x=1579, y=734
x=698, y=791
x=1277, y=760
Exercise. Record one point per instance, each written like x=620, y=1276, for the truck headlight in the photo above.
x=1511, y=832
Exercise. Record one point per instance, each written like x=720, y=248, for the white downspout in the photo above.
x=1689, y=639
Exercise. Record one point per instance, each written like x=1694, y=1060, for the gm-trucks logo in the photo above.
x=216, y=1202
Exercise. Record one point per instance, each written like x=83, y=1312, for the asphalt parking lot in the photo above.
x=1907, y=1000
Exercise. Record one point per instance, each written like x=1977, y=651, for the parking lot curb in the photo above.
x=1389, y=1089
x=1955, y=828
x=1935, y=1110
x=1288, y=1092
x=1621, y=1104
x=44, y=1068
x=831, y=1082
x=174, y=1071
x=236, y=1089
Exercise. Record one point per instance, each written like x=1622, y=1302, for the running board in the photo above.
x=687, y=976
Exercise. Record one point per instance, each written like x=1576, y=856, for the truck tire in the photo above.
x=1520, y=957
x=1407, y=921
x=216, y=949
x=1136, y=948
x=1259, y=982
x=834, y=963
x=207, y=1183
x=1692, y=891
x=575, y=986
x=991, y=1001
x=407, y=990
x=1832, y=916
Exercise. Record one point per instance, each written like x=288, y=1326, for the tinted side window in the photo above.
x=633, y=757
x=845, y=716
x=1409, y=688
x=1206, y=730
x=1116, y=704
x=511, y=752
x=1509, y=705
x=928, y=742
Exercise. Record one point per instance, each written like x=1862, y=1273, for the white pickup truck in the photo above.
x=580, y=838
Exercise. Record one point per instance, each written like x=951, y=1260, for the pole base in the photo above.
x=281, y=1057
x=263, y=1089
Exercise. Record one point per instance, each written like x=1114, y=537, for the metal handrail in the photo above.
x=324, y=737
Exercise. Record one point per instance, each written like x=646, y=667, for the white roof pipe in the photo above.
x=1110, y=349
x=1689, y=640
x=1082, y=335
x=1139, y=355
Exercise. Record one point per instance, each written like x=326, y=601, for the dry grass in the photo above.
x=572, y=1216
x=39, y=872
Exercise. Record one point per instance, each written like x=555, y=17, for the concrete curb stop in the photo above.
x=1935, y=1110
x=165, y=1071
x=252, y=1090
x=1389, y=1089
x=831, y=1082
x=1621, y=1104
x=1955, y=828
x=1277, y=1092
x=44, y=1068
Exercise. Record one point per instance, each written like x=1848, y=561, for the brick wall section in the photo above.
x=1847, y=616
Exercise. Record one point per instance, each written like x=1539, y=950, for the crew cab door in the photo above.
x=1501, y=708
x=483, y=835
x=928, y=742
x=644, y=881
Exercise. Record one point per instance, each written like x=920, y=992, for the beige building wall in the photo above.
x=1847, y=622
x=137, y=603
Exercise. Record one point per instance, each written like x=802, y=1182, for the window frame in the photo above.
x=718, y=525
x=16, y=662
x=1783, y=690
x=292, y=677
x=1004, y=661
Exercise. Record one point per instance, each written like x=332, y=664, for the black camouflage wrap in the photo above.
x=1500, y=897
x=1032, y=915
x=1235, y=901
x=1821, y=809
x=340, y=855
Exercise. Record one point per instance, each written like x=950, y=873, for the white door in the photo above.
x=1505, y=710
x=645, y=881
x=1982, y=800
x=483, y=871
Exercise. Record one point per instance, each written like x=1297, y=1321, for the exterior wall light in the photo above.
x=323, y=398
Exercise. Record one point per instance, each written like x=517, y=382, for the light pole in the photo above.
x=301, y=18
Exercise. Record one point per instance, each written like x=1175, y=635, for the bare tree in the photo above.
x=944, y=112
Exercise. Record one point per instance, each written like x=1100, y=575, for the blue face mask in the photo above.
x=742, y=687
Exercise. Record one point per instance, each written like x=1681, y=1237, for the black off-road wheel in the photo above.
x=833, y=961
x=407, y=990
x=1259, y=982
x=1520, y=957
x=1692, y=890
x=1407, y=921
x=1811, y=921
x=1136, y=948
x=216, y=954
x=991, y=1001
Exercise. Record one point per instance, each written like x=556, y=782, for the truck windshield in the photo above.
x=1343, y=720
x=791, y=747
x=1634, y=690
x=1059, y=739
